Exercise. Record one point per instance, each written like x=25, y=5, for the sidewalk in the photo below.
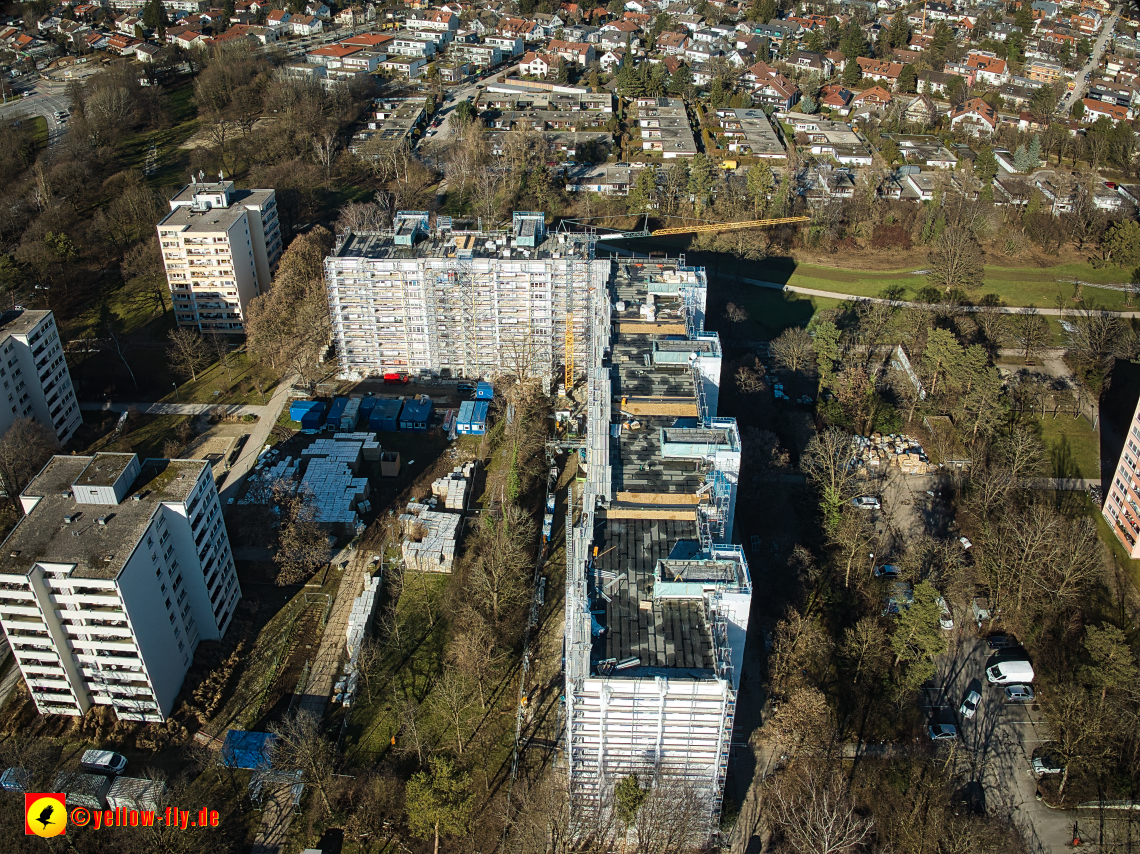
x=1005, y=309
x=177, y=408
x=267, y=420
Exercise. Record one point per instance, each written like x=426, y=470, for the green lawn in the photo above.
x=39, y=128
x=144, y=434
x=236, y=384
x=770, y=312
x=1073, y=447
x=1016, y=286
x=173, y=161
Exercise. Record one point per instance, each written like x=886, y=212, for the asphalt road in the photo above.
x=48, y=98
x=1093, y=63
x=995, y=747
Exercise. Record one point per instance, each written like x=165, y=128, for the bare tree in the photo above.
x=956, y=261
x=301, y=745
x=187, y=352
x=24, y=449
x=803, y=721
x=813, y=810
x=451, y=694
x=1028, y=328
x=793, y=349
x=827, y=463
x=735, y=313
x=865, y=645
x=302, y=545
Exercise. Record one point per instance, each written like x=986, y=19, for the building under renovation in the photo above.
x=436, y=301
x=657, y=601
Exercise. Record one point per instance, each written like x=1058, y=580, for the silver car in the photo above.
x=970, y=704
x=867, y=502
x=1020, y=694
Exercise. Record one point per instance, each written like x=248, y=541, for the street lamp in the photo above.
x=176, y=395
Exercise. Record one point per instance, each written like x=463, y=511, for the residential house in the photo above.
x=988, y=68
x=876, y=96
x=318, y=10
x=835, y=96
x=1096, y=109
x=877, y=69
x=975, y=117
x=306, y=25
x=1044, y=71
x=771, y=87
x=278, y=19
x=920, y=111
x=537, y=65
x=579, y=53
x=673, y=44
x=809, y=61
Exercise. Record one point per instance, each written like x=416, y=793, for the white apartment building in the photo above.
x=220, y=247
x=440, y=302
x=112, y=578
x=657, y=598
x=34, y=380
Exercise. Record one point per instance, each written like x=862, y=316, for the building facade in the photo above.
x=1122, y=502
x=438, y=302
x=34, y=380
x=657, y=602
x=220, y=247
x=115, y=574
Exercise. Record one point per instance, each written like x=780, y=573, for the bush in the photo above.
x=890, y=237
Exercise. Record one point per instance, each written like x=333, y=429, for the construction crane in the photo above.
x=728, y=226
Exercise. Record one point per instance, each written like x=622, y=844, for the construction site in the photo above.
x=432, y=301
x=657, y=598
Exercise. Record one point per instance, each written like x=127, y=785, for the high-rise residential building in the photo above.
x=34, y=380
x=220, y=247
x=442, y=302
x=1122, y=503
x=114, y=575
x=657, y=598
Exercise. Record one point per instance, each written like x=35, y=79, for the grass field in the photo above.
x=770, y=312
x=1073, y=447
x=1016, y=286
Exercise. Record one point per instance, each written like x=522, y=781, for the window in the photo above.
x=167, y=603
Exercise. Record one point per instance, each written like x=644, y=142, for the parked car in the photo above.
x=1002, y=641
x=103, y=762
x=867, y=502
x=945, y=617
x=1019, y=672
x=970, y=704
x=940, y=732
x=1020, y=694
x=887, y=570
x=1046, y=763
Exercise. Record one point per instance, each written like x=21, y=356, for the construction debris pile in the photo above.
x=430, y=538
x=453, y=489
x=876, y=453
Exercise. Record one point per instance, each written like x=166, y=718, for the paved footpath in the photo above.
x=176, y=408
x=1005, y=309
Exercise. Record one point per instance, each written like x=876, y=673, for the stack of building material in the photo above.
x=360, y=618
x=369, y=447
x=453, y=489
x=262, y=482
x=329, y=480
x=351, y=414
x=877, y=452
x=430, y=538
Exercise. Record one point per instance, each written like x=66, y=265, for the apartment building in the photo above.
x=664, y=127
x=441, y=302
x=220, y=246
x=657, y=601
x=33, y=371
x=114, y=575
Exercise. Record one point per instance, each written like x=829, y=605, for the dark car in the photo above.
x=1002, y=641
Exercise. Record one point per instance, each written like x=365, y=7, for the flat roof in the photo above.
x=664, y=634
x=380, y=245
x=20, y=321
x=97, y=551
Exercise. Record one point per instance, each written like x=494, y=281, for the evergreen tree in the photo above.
x=1084, y=49
x=643, y=196
x=760, y=182
x=852, y=73
x=808, y=105
x=985, y=167
x=833, y=32
x=681, y=82
x=899, y=34
x=1035, y=150
x=1021, y=160
x=1078, y=110
x=1024, y=18
x=764, y=11
x=908, y=79
x=701, y=178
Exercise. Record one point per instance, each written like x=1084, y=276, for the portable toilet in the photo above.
x=484, y=391
x=416, y=414
x=385, y=417
x=350, y=415
x=336, y=410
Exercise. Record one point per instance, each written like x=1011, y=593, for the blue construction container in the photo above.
x=484, y=391
x=385, y=416
x=337, y=410
x=367, y=404
x=472, y=417
x=416, y=414
x=307, y=412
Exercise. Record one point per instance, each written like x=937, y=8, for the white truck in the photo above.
x=1010, y=672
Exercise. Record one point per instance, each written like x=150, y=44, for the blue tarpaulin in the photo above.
x=252, y=750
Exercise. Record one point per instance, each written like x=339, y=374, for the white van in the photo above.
x=1009, y=672
x=103, y=762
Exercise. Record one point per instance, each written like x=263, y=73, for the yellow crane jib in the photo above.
x=729, y=226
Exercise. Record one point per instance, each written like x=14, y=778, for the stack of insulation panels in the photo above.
x=351, y=414
x=453, y=489
x=329, y=480
x=360, y=618
x=438, y=537
x=369, y=447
